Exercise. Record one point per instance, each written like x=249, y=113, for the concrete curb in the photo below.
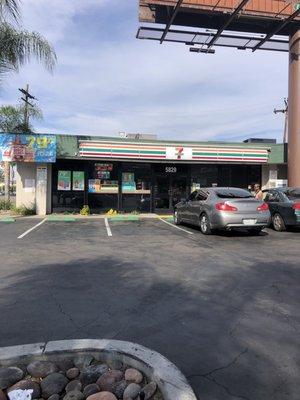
x=96, y=217
x=169, y=379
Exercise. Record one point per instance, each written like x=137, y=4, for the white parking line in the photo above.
x=31, y=229
x=107, y=227
x=175, y=226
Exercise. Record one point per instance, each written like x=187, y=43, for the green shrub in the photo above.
x=23, y=210
x=5, y=205
x=85, y=210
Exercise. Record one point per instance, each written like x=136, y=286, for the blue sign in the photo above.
x=27, y=148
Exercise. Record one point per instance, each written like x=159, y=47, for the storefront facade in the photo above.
x=141, y=176
x=138, y=186
x=62, y=173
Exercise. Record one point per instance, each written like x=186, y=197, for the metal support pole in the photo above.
x=294, y=111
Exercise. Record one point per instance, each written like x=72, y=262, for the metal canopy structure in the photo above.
x=227, y=22
x=204, y=38
x=173, y=16
x=232, y=29
x=278, y=28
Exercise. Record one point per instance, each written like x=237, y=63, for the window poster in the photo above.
x=103, y=167
x=94, y=186
x=64, y=180
x=78, y=180
x=128, y=177
x=103, y=174
x=128, y=182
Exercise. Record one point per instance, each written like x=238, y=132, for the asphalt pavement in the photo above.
x=225, y=309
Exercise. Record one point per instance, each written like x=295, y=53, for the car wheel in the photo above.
x=278, y=223
x=177, y=220
x=205, y=224
x=254, y=231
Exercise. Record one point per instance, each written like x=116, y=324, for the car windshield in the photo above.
x=293, y=194
x=233, y=194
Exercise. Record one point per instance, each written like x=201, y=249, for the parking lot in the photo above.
x=225, y=309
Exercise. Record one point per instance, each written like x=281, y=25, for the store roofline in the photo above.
x=156, y=141
x=169, y=142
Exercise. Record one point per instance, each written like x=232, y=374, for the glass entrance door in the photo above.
x=162, y=193
x=169, y=190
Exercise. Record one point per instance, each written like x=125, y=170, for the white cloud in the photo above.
x=55, y=18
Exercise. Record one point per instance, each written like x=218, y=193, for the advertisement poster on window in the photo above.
x=41, y=177
x=94, y=186
x=78, y=180
x=28, y=148
x=64, y=180
x=103, y=167
x=103, y=174
x=128, y=177
x=128, y=182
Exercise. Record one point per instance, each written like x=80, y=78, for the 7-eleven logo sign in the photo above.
x=179, y=153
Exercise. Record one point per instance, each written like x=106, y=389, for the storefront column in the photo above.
x=43, y=188
x=294, y=111
x=152, y=190
x=26, y=185
x=86, y=184
x=34, y=187
x=120, y=202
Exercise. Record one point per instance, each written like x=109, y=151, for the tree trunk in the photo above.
x=7, y=180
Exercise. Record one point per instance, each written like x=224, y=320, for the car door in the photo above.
x=272, y=199
x=196, y=206
x=189, y=206
x=285, y=209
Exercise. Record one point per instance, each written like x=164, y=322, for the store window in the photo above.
x=103, y=186
x=136, y=187
x=204, y=176
x=239, y=176
x=254, y=174
x=68, y=185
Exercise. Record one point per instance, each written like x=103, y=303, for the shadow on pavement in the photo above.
x=233, y=331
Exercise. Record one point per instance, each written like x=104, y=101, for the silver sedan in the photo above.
x=223, y=208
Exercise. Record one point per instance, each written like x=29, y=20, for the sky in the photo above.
x=106, y=81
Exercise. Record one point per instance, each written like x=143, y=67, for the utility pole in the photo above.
x=284, y=111
x=26, y=98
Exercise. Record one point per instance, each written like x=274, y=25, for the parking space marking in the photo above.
x=32, y=229
x=107, y=227
x=175, y=226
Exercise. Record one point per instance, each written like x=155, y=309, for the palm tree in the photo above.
x=18, y=46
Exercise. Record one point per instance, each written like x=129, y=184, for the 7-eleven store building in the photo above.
x=151, y=176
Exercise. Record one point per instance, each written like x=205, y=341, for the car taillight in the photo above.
x=296, y=206
x=263, y=207
x=225, y=207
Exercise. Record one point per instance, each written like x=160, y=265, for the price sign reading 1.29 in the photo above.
x=171, y=170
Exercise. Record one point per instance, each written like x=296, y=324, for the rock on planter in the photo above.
x=170, y=381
